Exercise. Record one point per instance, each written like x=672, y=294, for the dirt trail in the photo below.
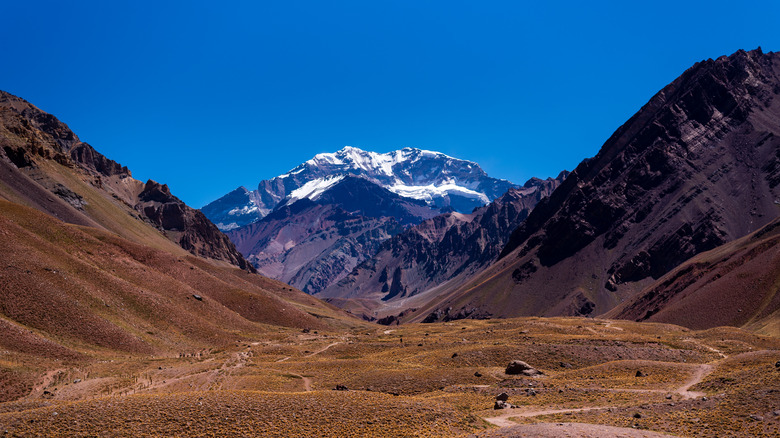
x=701, y=371
x=47, y=380
x=712, y=349
x=503, y=419
x=581, y=430
x=322, y=350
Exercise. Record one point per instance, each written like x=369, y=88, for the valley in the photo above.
x=406, y=293
x=416, y=380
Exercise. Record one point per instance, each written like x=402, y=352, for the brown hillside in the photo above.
x=80, y=289
x=736, y=284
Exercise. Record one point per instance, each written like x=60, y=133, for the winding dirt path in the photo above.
x=504, y=421
x=701, y=371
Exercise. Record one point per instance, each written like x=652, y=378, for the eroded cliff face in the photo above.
x=46, y=166
x=696, y=167
x=187, y=226
x=447, y=247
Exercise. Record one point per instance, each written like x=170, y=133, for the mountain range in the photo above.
x=437, y=179
x=672, y=214
x=697, y=167
x=448, y=248
x=313, y=225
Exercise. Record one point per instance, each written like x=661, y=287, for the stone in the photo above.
x=502, y=397
x=502, y=405
x=565, y=365
x=519, y=367
x=756, y=417
x=340, y=388
x=637, y=415
x=640, y=373
x=197, y=297
x=477, y=374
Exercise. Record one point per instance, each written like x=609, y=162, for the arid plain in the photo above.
x=417, y=380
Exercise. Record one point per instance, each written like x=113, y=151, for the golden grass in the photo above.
x=417, y=380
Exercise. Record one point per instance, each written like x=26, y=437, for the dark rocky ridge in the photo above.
x=440, y=249
x=696, y=167
x=30, y=138
x=188, y=226
x=737, y=284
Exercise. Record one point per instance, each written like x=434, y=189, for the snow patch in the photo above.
x=313, y=189
x=247, y=209
x=429, y=192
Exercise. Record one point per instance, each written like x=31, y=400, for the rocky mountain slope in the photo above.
x=43, y=164
x=315, y=241
x=737, y=284
x=437, y=179
x=696, y=167
x=95, y=263
x=443, y=249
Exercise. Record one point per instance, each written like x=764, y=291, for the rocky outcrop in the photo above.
x=441, y=249
x=696, y=167
x=519, y=367
x=30, y=137
x=193, y=231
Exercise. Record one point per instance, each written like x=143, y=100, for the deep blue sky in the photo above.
x=208, y=96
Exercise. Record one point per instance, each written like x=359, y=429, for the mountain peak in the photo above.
x=437, y=179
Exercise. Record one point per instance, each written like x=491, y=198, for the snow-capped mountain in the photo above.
x=437, y=179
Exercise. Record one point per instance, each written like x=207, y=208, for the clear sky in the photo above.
x=208, y=96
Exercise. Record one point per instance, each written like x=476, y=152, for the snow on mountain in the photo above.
x=313, y=189
x=435, y=178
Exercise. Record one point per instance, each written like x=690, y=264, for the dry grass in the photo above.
x=259, y=384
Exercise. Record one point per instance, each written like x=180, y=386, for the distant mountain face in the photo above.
x=43, y=164
x=434, y=178
x=443, y=249
x=696, y=167
x=313, y=241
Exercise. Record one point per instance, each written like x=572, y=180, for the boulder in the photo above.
x=520, y=367
x=502, y=405
x=502, y=397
